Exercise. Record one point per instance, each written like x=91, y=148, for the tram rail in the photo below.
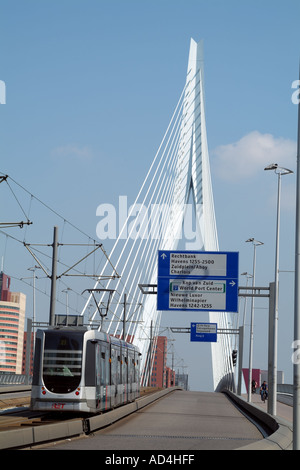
x=21, y=427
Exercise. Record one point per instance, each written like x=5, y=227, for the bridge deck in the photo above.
x=179, y=421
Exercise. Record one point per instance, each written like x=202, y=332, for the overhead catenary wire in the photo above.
x=6, y=178
x=159, y=157
x=35, y=251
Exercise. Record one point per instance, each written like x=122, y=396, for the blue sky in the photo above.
x=90, y=88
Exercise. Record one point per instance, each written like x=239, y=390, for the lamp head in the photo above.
x=280, y=170
x=273, y=166
x=255, y=242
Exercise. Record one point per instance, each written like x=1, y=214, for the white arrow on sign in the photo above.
x=163, y=256
x=232, y=283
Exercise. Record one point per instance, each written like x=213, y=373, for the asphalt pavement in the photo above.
x=180, y=421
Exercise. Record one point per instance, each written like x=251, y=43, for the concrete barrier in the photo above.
x=16, y=438
x=101, y=421
x=281, y=431
x=33, y=435
x=62, y=430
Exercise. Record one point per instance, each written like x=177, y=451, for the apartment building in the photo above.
x=162, y=376
x=12, y=320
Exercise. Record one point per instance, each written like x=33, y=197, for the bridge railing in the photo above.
x=15, y=379
x=285, y=388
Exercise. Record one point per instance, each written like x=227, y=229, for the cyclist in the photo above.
x=264, y=388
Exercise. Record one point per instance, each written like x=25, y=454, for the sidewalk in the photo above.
x=283, y=411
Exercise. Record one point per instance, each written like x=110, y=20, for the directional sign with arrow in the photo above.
x=195, y=280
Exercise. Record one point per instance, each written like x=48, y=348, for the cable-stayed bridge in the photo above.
x=176, y=191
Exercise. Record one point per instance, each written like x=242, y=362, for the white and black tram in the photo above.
x=82, y=370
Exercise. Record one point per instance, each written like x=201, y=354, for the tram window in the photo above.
x=90, y=364
x=98, y=366
x=62, y=360
x=37, y=362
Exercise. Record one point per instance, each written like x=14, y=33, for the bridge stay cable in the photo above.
x=179, y=171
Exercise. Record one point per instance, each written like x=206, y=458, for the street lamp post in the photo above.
x=33, y=301
x=296, y=369
x=272, y=405
x=248, y=276
x=66, y=291
x=255, y=244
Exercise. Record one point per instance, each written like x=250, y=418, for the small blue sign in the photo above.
x=204, y=332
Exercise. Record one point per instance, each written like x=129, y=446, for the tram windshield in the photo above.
x=62, y=360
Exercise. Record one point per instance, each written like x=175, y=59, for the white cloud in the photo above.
x=73, y=151
x=251, y=154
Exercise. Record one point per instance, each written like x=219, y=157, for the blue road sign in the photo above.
x=204, y=332
x=195, y=280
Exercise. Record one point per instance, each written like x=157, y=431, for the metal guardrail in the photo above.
x=15, y=379
x=285, y=388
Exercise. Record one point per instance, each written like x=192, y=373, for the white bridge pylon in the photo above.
x=159, y=218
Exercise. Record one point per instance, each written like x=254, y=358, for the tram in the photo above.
x=82, y=370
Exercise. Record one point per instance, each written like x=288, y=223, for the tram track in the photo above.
x=21, y=427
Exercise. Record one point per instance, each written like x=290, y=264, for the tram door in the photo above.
x=98, y=377
x=114, y=376
x=124, y=376
x=104, y=377
x=130, y=375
